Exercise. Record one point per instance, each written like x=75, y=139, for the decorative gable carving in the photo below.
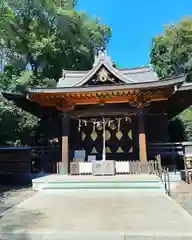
x=103, y=77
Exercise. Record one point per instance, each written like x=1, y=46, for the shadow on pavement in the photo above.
x=18, y=225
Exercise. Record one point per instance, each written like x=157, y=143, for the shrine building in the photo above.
x=108, y=112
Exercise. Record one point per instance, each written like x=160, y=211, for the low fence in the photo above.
x=15, y=165
x=111, y=167
x=172, y=155
x=45, y=158
x=165, y=149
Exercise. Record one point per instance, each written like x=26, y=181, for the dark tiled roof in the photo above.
x=136, y=85
x=126, y=75
x=186, y=86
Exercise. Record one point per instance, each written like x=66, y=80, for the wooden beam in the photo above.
x=92, y=98
x=103, y=112
x=65, y=142
x=142, y=138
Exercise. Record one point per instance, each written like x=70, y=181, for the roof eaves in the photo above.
x=13, y=95
x=138, y=85
x=186, y=86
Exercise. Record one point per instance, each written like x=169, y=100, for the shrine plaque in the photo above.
x=109, y=168
x=103, y=168
x=97, y=168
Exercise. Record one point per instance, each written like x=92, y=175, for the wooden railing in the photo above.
x=120, y=167
x=172, y=155
x=166, y=149
x=45, y=158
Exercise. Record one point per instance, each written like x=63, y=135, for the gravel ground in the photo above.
x=185, y=200
x=182, y=194
x=11, y=196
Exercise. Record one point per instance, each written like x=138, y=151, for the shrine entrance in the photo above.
x=103, y=110
x=120, y=137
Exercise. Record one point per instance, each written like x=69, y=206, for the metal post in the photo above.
x=104, y=153
x=165, y=179
x=160, y=166
x=168, y=183
x=185, y=165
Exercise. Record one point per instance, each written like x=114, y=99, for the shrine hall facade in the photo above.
x=132, y=105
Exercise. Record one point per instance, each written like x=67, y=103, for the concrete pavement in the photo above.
x=107, y=212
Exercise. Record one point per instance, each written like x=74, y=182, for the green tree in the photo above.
x=47, y=35
x=17, y=127
x=171, y=52
x=171, y=55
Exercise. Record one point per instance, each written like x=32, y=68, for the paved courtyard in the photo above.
x=112, y=211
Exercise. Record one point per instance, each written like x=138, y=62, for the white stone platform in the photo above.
x=142, y=182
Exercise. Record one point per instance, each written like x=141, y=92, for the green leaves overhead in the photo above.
x=50, y=35
x=171, y=55
x=171, y=52
x=47, y=35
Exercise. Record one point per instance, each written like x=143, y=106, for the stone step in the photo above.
x=93, y=183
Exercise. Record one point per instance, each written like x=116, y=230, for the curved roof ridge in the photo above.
x=104, y=60
x=134, y=68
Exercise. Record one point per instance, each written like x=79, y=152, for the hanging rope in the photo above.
x=99, y=122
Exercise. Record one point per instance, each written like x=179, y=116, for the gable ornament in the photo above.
x=103, y=76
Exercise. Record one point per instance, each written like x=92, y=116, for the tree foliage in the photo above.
x=49, y=35
x=16, y=126
x=39, y=38
x=171, y=55
x=171, y=52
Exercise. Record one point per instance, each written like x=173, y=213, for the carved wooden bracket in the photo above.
x=65, y=108
x=139, y=105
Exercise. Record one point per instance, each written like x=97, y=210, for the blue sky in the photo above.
x=134, y=23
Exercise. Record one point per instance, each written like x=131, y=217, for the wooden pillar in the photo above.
x=65, y=142
x=142, y=138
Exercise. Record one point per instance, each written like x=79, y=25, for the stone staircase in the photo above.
x=143, y=182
